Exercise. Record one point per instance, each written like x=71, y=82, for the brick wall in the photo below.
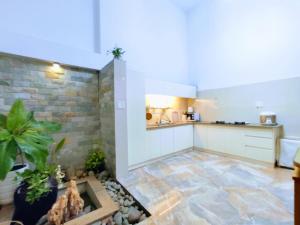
x=107, y=116
x=69, y=96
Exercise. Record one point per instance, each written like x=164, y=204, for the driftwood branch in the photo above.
x=67, y=206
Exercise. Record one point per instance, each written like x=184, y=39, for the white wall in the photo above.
x=52, y=30
x=153, y=33
x=52, y=20
x=234, y=42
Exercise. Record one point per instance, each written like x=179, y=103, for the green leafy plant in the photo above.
x=55, y=151
x=21, y=134
x=94, y=160
x=37, y=182
x=117, y=52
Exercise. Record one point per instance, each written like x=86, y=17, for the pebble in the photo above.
x=127, y=203
x=122, y=192
x=118, y=218
x=143, y=217
x=133, y=215
x=124, y=210
x=129, y=212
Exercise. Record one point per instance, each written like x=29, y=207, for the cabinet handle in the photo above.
x=252, y=146
x=258, y=136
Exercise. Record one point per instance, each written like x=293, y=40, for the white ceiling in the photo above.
x=186, y=5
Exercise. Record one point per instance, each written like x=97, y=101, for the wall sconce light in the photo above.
x=55, y=71
x=56, y=68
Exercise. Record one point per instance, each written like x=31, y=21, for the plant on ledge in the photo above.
x=95, y=161
x=117, y=52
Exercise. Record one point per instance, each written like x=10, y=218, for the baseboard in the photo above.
x=158, y=159
x=234, y=157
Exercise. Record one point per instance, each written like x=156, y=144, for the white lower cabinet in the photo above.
x=164, y=141
x=200, y=137
x=153, y=144
x=183, y=137
x=253, y=143
x=248, y=142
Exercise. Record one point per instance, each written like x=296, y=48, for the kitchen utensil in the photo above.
x=148, y=116
x=175, y=117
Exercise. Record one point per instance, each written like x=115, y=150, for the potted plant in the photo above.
x=22, y=137
x=95, y=161
x=117, y=52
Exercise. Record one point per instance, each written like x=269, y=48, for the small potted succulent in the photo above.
x=117, y=52
x=95, y=161
x=23, y=137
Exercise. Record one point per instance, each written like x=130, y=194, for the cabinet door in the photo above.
x=217, y=138
x=183, y=137
x=167, y=141
x=235, y=144
x=200, y=136
x=153, y=148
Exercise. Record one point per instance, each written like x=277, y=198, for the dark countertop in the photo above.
x=250, y=125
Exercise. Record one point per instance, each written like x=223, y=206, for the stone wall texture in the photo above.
x=69, y=96
x=107, y=115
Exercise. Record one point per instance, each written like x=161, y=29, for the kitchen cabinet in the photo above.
x=248, y=142
x=164, y=141
x=157, y=87
x=183, y=137
x=153, y=144
x=200, y=137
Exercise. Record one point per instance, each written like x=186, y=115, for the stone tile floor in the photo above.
x=206, y=189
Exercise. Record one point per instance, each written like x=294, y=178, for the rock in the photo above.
x=103, y=175
x=133, y=215
x=127, y=203
x=116, y=186
x=91, y=174
x=121, y=201
x=124, y=210
x=42, y=220
x=125, y=222
x=143, y=217
x=111, y=188
x=118, y=218
x=111, y=193
x=87, y=209
x=122, y=192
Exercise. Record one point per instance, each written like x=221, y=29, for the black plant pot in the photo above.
x=29, y=214
x=100, y=168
